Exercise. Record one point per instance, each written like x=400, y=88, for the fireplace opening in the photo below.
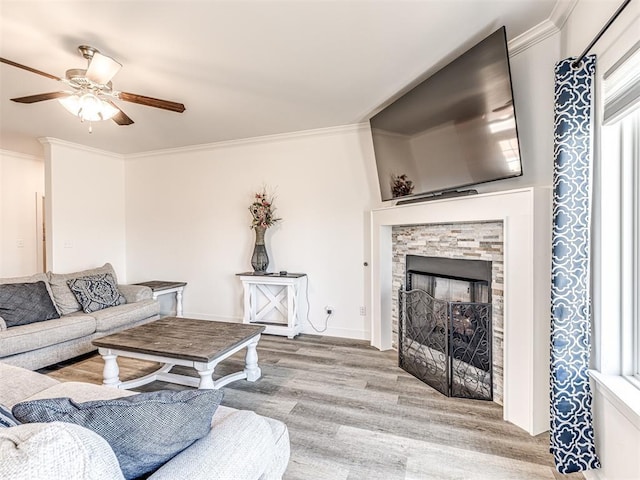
x=445, y=329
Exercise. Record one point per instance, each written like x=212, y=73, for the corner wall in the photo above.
x=85, y=212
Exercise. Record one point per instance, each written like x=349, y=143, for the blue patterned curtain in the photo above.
x=572, y=442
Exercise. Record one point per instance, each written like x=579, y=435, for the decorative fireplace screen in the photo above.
x=446, y=344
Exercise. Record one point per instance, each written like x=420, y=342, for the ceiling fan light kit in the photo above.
x=92, y=91
x=88, y=107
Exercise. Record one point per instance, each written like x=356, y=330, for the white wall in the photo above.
x=84, y=208
x=188, y=220
x=617, y=428
x=21, y=179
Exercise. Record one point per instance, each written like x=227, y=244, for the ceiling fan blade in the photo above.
x=151, y=102
x=29, y=69
x=102, y=68
x=120, y=118
x=40, y=97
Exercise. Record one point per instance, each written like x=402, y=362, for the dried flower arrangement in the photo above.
x=263, y=211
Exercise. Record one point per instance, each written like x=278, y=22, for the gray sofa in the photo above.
x=39, y=344
x=240, y=446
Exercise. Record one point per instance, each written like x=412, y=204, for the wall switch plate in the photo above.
x=363, y=311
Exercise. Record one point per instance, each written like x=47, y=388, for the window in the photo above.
x=617, y=223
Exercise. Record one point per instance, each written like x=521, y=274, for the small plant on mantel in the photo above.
x=263, y=211
x=401, y=185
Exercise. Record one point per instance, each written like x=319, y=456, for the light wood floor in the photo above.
x=353, y=414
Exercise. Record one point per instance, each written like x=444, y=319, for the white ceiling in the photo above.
x=242, y=68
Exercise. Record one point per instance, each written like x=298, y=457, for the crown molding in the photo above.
x=25, y=156
x=561, y=12
x=254, y=140
x=550, y=26
x=78, y=146
x=531, y=37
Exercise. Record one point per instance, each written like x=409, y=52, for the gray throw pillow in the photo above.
x=24, y=303
x=96, y=292
x=6, y=418
x=144, y=430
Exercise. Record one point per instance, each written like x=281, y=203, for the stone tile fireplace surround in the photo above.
x=466, y=241
x=522, y=221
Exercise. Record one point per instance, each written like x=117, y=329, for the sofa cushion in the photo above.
x=122, y=315
x=96, y=292
x=63, y=297
x=144, y=430
x=46, y=451
x=25, y=338
x=6, y=417
x=25, y=303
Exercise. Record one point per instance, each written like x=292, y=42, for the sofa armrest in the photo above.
x=239, y=447
x=135, y=293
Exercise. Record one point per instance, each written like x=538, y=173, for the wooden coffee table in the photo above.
x=200, y=344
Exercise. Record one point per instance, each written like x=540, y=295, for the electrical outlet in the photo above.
x=328, y=309
x=363, y=311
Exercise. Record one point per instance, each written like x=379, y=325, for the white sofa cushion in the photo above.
x=25, y=338
x=45, y=451
x=123, y=315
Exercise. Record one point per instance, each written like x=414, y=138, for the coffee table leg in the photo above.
x=206, y=378
x=111, y=372
x=251, y=361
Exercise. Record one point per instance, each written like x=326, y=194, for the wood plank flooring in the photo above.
x=353, y=414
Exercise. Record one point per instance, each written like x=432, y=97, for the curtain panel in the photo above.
x=572, y=440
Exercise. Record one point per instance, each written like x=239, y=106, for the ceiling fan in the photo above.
x=91, y=92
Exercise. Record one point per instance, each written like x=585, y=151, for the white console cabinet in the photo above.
x=274, y=300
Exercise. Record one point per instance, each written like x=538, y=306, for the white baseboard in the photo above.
x=338, y=332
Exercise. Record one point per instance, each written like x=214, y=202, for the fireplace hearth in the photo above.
x=445, y=325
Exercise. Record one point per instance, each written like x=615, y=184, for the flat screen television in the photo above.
x=455, y=129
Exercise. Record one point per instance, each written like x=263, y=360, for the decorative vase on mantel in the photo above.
x=260, y=259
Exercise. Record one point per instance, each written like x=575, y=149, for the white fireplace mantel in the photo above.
x=526, y=217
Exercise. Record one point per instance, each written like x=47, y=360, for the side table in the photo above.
x=273, y=300
x=159, y=287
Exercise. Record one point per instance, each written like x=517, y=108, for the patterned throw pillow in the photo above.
x=6, y=418
x=96, y=292
x=24, y=303
x=145, y=430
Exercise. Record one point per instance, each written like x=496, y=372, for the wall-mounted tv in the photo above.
x=455, y=129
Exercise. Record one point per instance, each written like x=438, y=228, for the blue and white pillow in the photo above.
x=96, y=292
x=6, y=418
